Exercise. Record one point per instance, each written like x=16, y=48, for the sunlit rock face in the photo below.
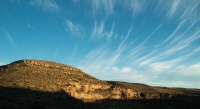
x=50, y=76
x=40, y=81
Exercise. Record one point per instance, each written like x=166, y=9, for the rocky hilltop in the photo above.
x=45, y=84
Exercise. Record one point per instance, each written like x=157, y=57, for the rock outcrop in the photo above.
x=45, y=84
x=51, y=76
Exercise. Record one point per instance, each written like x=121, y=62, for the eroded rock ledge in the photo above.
x=50, y=76
x=47, y=64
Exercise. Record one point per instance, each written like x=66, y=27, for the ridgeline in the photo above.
x=46, y=84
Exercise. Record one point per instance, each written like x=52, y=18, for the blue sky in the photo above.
x=156, y=42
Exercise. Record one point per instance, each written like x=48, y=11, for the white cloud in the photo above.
x=109, y=7
x=136, y=6
x=46, y=5
x=180, y=9
x=181, y=24
x=122, y=70
x=189, y=70
x=74, y=29
x=99, y=57
x=102, y=62
x=99, y=31
x=110, y=34
x=173, y=7
x=190, y=9
x=130, y=60
x=178, y=45
x=115, y=68
x=126, y=69
x=179, y=75
x=181, y=46
x=160, y=67
x=101, y=6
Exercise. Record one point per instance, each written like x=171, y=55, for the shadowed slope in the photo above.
x=22, y=98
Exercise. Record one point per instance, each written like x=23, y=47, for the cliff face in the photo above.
x=52, y=77
x=48, y=84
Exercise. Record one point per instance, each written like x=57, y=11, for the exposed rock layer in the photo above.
x=51, y=77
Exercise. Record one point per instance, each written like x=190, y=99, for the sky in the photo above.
x=155, y=42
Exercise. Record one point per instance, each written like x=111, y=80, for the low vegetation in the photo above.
x=45, y=84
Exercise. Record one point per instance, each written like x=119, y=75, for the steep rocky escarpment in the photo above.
x=49, y=76
x=46, y=84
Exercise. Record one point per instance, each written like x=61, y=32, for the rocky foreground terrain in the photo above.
x=48, y=85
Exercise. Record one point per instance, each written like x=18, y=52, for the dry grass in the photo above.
x=42, y=84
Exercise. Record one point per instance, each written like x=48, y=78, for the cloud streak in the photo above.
x=105, y=58
x=126, y=48
x=74, y=29
x=134, y=61
x=174, y=7
x=134, y=57
x=180, y=9
x=109, y=7
x=47, y=5
x=100, y=6
x=9, y=37
x=99, y=31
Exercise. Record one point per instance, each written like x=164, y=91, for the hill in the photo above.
x=45, y=84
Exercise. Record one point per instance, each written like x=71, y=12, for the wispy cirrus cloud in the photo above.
x=106, y=58
x=181, y=24
x=136, y=6
x=99, y=31
x=9, y=15
x=174, y=7
x=167, y=58
x=147, y=58
x=178, y=44
x=181, y=9
x=108, y=7
x=109, y=35
x=74, y=29
x=9, y=37
x=101, y=6
x=47, y=5
x=134, y=61
x=183, y=43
